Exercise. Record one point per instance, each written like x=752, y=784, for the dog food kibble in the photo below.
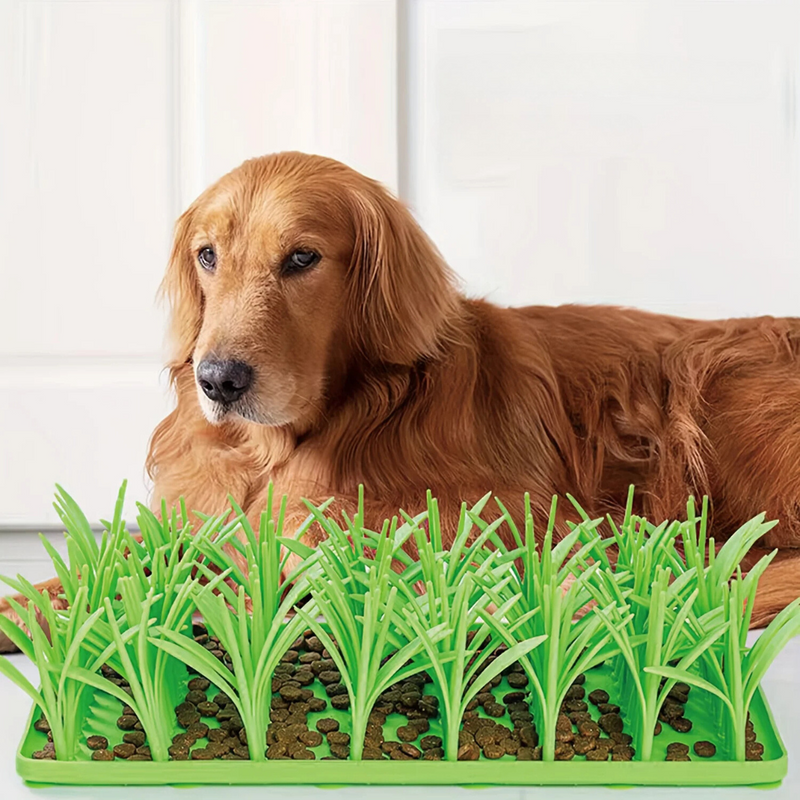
x=100, y=755
x=494, y=709
x=575, y=692
x=338, y=737
x=327, y=725
x=98, y=742
x=608, y=708
x=340, y=702
x=598, y=696
x=598, y=754
x=657, y=729
x=188, y=718
x=42, y=725
x=430, y=742
x=469, y=752
x=517, y=680
x=681, y=724
x=620, y=738
x=610, y=723
x=124, y=750
x=622, y=752
x=583, y=744
x=127, y=722
x=135, y=738
x=705, y=749
x=194, y=697
x=435, y=754
x=564, y=751
x=494, y=751
x=311, y=738
x=207, y=709
x=589, y=729
x=202, y=754
x=199, y=684
x=528, y=736
x=678, y=748
x=407, y=733
x=754, y=751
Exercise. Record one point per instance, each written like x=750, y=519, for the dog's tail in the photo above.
x=779, y=586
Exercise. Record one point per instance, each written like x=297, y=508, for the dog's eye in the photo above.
x=207, y=258
x=300, y=260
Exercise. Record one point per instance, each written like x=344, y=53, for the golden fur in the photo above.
x=373, y=368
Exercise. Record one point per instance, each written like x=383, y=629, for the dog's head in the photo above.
x=289, y=271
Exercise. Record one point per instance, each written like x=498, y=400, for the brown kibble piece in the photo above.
x=610, y=723
x=340, y=702
x=678, y=747
x=124, y=750
x=469, y=752
x=407, y=733
x=564, y=752
x=199, y=684
x=598, y=696
x=136, y=738
x=203, y=754
x=583, y=744
x=338, y=737
x=622, y=752
x=207, y=708
x=311, y=738
x=430, y=742
x=98, y=742
x=494, y=709
x=589, y=729
x=327, y=725
x=598, y=754
x=340, y=750
x=127, y=722
x=681, y=724
x=705, y=749
x=180, y=752
x=101, y=755
x=494, y=751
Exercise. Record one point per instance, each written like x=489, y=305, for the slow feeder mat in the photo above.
x=715, y=771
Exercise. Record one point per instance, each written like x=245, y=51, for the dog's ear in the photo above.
x=182, y=288
x=402, y=292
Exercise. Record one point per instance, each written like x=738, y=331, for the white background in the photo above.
x=634, y=152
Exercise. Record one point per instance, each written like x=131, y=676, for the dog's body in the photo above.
x=321, y=343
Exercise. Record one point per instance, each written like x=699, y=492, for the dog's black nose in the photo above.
x=224, y=381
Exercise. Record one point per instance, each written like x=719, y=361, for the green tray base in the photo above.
x=506, y=771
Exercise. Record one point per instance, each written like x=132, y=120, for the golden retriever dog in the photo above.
x=321, y=342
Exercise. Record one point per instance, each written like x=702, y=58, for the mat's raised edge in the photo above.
x=461, y=773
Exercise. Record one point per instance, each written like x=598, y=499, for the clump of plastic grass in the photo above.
x=156, y=595
x=465, y=659
x=730, y=671
x=570, y=646
x=56, y=644
x=652, y=629
x=364, y=629
x=252, y=621
x=90, y=564
x=60, y=640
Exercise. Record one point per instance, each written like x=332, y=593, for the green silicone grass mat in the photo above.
x=715, y=771
x=612, y=652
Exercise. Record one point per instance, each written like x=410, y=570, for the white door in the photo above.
x=113, y=117
x=637, y=152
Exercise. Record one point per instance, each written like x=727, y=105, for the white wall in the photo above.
x=640, y=152
x=113, y=117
